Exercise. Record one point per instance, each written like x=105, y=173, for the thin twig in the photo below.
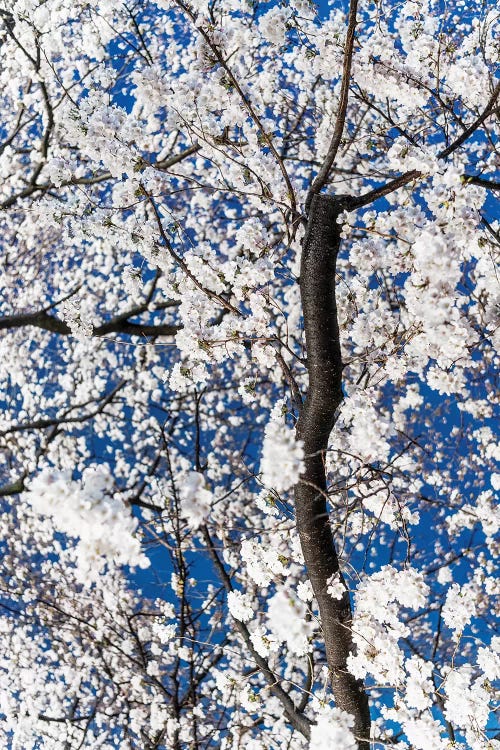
x=182, y=263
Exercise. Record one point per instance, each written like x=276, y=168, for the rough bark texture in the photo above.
x=317, y=417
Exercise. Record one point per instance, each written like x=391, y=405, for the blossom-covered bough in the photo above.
x=248, y=317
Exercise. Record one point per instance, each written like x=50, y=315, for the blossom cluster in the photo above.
x=87, y=510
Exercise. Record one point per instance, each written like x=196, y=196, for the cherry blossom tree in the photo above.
x=249, y=314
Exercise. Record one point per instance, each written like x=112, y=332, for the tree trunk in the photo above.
x=316, y=420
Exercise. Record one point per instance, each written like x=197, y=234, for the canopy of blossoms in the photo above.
x=161, y=166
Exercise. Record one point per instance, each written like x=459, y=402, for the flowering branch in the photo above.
x=299, y=722
x=322, y=176
x=118, y=324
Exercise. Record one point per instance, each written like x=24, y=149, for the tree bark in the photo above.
x=324, y=396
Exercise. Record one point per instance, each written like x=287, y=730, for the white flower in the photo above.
x=467, y=702
x=333, y=730
x=282, y=456
x=196, y=499
x=419, y=685
x=57, y=170
x=132, y=281
x=240, y=606
x=305, y=591
x=272, y=25
x=485, y=511
x=261, y=641
x=377, y=624
x=424, y=732
x=263, y=563
x=88, y=511
x=287, y=620
x=488, y=659
x=335, y=587
x=459, y=607
x=78, y=318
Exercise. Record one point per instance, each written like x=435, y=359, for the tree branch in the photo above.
x=322, y=176
x=163, y=166
x=64, y=419
x=119, y=324
x=415, y=174
x=316, y=420
x=267, y=137
x=383, y=190
x=180, y=262
x=299, y=722
x=472, y=128
x=471, y=179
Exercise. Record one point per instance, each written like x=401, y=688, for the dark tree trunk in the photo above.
x=316, y=420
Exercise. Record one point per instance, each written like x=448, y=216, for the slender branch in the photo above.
x=39, y=319
x=322, y=176
x=136, y=329
x=383, y=190
x=173, y=160
x=180, y=262
x=41, y=424
x=13, y=489
x=246, y=102
x=33, y=188
x=493, y=232
x=472, y=128
x=299, y=722
x=415, y=174
x=297, y=398
x=19, y=485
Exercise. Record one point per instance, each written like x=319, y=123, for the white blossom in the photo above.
x=282, y=456
x=240, y=606
x=196, y=499
x=286, y=618
x=333, y=729
x=88, y=511
x=336, y=587
x=459, y=607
